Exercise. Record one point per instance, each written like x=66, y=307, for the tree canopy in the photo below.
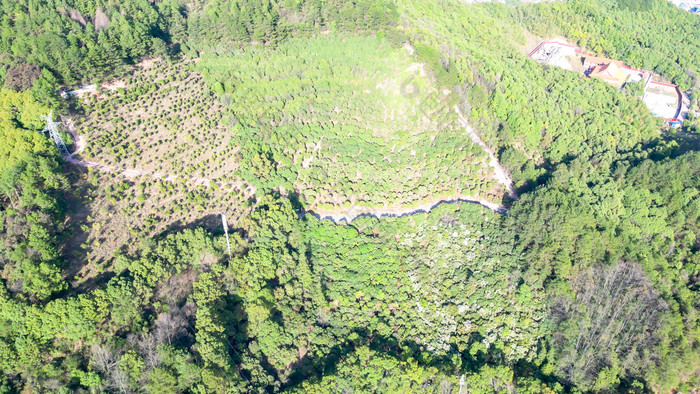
x=585, y=281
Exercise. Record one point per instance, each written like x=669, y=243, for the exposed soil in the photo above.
x=501, y=174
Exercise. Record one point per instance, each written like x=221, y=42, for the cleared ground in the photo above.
x=556, y=54
x=349, y=128
x=111, y=213
x=662, y=100
x=149, y=136
x=165, y=121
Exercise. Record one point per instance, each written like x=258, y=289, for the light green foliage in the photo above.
x=279, y=292
x=635, y=89
x=426, y=280
x=653, y=35
x=536, y=117
x=588, y=283
x=160, y=380
x=304, y=288
x=33, y=336
x=52, y=35
x=132, y=365
x=30, y=183
x=271, y=21
x=163, y=121
x=366, y=370
x=345, y=119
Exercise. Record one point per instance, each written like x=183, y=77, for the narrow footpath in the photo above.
x=501, y=174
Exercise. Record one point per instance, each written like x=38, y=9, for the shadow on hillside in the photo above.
x=686, y=143
x=77, y=209
x=93, y=283
x=210, y=222
x=312, y=369
x=316, y=367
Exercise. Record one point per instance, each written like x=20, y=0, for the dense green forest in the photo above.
x=588, y=283
x=81, y=40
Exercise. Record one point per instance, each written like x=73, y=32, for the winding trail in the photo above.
x=336, y=215
x=354, y=212
x=501, y=174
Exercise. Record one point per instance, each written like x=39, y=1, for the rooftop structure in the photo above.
x=688, y=5
x=600, y=61
x=610, y=72
x=663, y=100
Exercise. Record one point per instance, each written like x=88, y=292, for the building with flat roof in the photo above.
x=663, y=99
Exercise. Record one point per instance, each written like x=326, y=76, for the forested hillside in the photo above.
x=80, y=40
x=32, y=182
x=116, y=274
x=643, y=33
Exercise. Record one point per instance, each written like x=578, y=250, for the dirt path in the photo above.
x=501, y=174
x=352, y=213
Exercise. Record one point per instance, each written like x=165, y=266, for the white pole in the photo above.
x=228, y=243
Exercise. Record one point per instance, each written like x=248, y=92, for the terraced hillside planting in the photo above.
x=163, y=121
x=535, y=118
x=346, y=121
x=347, y=127
x=497, y=225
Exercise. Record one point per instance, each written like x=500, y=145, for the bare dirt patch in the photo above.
x=662, y=100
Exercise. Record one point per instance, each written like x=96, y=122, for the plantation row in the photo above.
x=146, y=207
x=163, y=121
